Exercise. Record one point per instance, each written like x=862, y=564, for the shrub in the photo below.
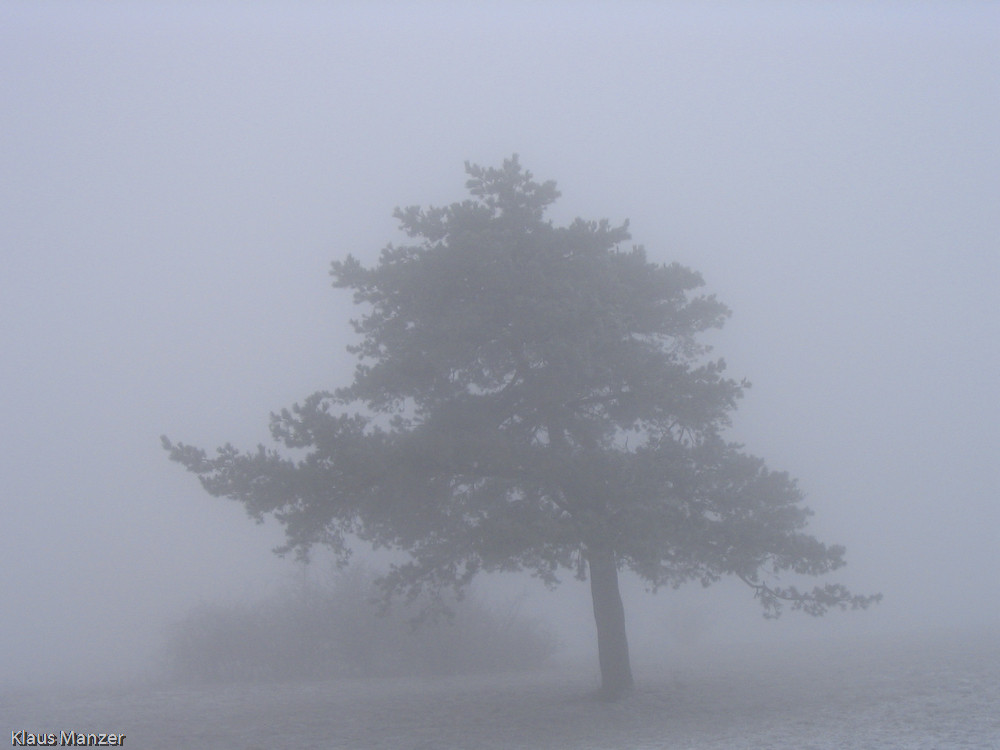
x=339, y=629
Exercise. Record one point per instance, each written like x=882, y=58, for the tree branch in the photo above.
x=815, y=602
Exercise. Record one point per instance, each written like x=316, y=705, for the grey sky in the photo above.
x=177, y=177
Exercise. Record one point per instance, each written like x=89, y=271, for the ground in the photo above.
x=928, y=691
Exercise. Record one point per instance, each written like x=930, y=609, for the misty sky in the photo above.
x=176, y=178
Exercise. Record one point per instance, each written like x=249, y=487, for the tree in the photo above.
x=530, y=397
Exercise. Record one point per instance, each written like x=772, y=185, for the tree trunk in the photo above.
x=612, y=641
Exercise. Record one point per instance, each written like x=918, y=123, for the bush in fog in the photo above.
x=339, y=629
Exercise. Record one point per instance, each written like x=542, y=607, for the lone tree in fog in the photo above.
x=530, y=397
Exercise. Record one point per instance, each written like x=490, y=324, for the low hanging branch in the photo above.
x=816, y=602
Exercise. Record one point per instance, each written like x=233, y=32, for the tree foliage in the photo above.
x=525, y=396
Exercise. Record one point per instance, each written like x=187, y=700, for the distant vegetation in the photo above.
x=336, y=629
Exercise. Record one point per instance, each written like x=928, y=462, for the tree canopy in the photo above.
x=530, y=397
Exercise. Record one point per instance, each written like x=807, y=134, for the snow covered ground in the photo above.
x=940, y=691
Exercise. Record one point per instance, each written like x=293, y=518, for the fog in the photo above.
x=177, y=178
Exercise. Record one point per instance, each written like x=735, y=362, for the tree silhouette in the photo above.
x=530, y=397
